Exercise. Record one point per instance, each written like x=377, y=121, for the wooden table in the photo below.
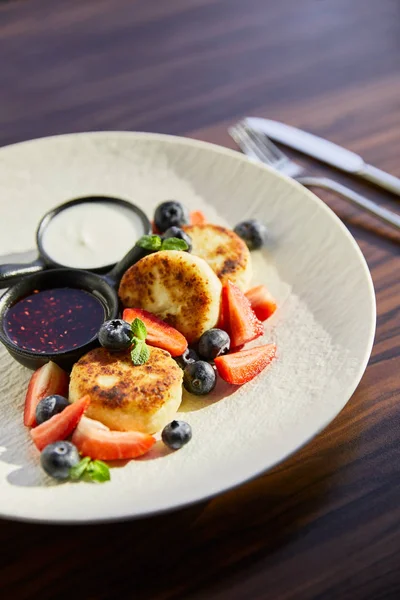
x=326, y=523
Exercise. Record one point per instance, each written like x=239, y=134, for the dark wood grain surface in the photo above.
x=326, y=523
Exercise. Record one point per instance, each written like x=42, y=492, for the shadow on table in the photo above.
x=360, y=228
x=362, y=224
x=175, y=555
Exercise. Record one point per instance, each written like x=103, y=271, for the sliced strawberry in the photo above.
x=243, y=323
x=154, y=228
x=49, y=379
x=94, y=439
x=241, y=367
x=60, y=426
x=261, y=302
x=159, y=333
x=197, y=217
x=223, y=320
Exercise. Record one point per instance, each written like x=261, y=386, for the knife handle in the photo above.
x=385, y=180
x=378, y=211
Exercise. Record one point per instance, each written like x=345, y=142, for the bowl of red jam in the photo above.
x=58, y=319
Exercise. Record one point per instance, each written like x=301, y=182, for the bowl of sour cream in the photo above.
x=91, y=233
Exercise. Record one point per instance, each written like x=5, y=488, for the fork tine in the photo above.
x=266, y=146
x=243, y=138
x=257, y=145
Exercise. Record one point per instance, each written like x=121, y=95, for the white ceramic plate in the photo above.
x=324, y=326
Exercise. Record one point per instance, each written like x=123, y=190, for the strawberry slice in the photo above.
x=159, y=333
x=154, y=228
x=241, y=367
x=60, y=426
x=261, y=302
x=197, y=217
x=49, y=379
x=94, y=439
x=243, y=323
x=223, y=320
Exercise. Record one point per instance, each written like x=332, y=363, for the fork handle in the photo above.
x=374, y=209
x=384, y=180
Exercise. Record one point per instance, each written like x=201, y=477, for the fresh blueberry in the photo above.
x=50, y=406
x=177, y=232
x=57, y=459
x=115, y=335
x=176, y=434
x=188, y=357
x=199, y=378
x=213, y=343
x=253, y=232
x=170, y=213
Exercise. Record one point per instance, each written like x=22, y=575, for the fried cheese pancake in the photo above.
x=126, y=397
x=225, y=252
x=178, y=287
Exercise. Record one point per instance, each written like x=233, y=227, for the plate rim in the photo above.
x=348, y=392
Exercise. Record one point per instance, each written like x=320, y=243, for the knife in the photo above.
x=325, y=151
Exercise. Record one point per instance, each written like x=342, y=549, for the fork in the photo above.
x=259, y=147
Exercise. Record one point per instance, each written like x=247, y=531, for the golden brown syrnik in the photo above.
x=225, y=252
x=126, y=397
x=178, y=287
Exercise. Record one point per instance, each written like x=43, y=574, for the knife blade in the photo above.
x=325, y=151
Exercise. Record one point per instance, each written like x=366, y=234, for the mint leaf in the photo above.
x=98, y=471
x=174, y=244
x=140, y=353
x=78, y=470
x=90, y=470
x=136, y=349
x=154, y=243
x=139, y=329
x=149, y=242
x=144, y=354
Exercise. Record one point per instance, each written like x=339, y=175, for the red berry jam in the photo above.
x=55, y=320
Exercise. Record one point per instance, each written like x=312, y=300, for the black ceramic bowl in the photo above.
x=128, y=207
x=95, y=284
x=11, y=273
x=102, y=286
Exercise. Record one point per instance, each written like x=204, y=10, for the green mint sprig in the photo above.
x=91, y=470
x=150, y=242
x=140, y=352
x=98, y=471
x=155, y=243
x=174, y=244
x=139, y=329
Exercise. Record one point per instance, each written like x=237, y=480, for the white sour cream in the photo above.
x=91, y=235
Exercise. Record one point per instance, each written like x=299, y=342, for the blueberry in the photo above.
x=115, y=335
x=176, y=434
x=253, y=232
x=199, y=378
x=50, y=406
x=177, y=232
x=213, y=343
x=188, y=357
x=57, y=459
x=170, y=213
